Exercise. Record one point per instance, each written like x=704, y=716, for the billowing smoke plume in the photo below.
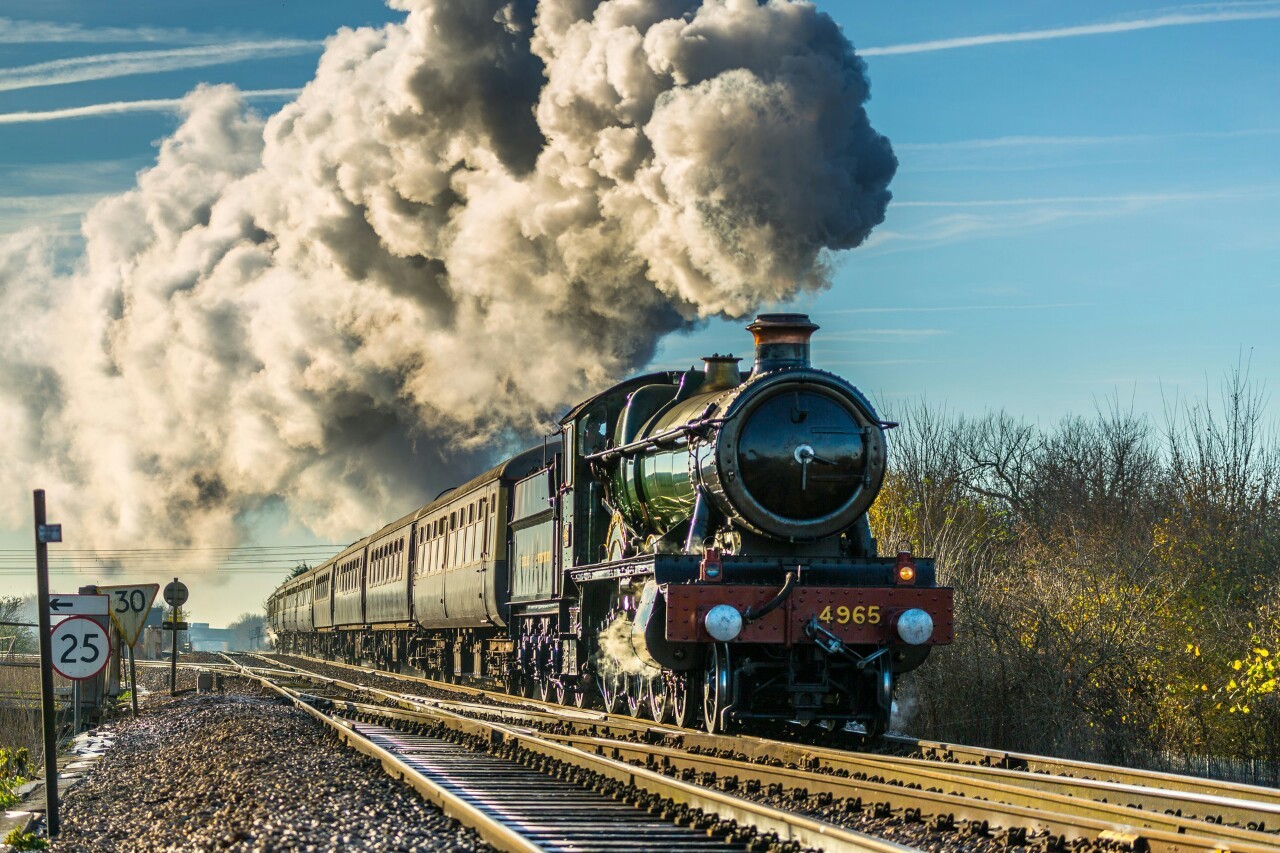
x=463, y=223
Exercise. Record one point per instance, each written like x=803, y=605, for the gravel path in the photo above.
x=243, y=771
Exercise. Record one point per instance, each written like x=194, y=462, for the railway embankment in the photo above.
x=239, y=770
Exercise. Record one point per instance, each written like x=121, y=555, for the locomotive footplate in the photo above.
x=856, y=615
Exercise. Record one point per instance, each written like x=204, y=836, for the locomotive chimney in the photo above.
x=722, y=372
x=782, y=340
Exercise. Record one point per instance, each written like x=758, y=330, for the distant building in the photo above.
x=206, y=639
x=155, y=643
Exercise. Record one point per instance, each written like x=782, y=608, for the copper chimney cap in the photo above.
x=782, y=340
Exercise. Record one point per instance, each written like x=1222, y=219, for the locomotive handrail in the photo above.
x=655, y=441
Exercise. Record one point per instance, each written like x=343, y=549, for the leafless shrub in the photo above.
x=1108, y=574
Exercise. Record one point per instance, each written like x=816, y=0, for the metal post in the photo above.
x=75, y=708
x=133, y=680
x=173, y=660
x=46, y=672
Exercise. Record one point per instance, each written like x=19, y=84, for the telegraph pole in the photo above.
x=46, y=533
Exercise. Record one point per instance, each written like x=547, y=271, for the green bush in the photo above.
x=14, y=767
x=19, y=840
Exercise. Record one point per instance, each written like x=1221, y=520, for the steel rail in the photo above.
x=1015, y=806
x=1204, y=805
x=1245, y=806
x=1193, y=801
x=454, y=687
x=973, y=755
x=998, y=804
x=788, y=827
x=452, y=805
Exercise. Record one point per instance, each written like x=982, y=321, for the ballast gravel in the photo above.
x=244, y=771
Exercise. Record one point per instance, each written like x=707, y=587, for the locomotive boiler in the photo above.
x=687, y=544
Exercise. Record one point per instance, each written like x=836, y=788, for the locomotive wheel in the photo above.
x=883, y=710
x=684, y=711
x=659, y=694
x=637, y=694
x=582, y=693
x=612, y=685
x=715, y=687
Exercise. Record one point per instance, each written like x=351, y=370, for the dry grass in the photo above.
x=20, y=717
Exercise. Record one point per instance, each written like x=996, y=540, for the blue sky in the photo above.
x=1088, y=200
x=1087, y=204
x=1075, y=216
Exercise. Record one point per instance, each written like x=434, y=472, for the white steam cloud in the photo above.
x=463, y=223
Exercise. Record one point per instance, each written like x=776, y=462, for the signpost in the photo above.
x=46, y=533
x=130, y=606
x=175, y=595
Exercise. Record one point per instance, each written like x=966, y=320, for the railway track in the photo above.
x=523, y=792
x=1028, y=800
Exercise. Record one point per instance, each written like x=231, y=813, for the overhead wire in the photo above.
x=256, y=559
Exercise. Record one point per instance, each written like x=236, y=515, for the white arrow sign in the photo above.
x=80, y=648
x=78, y=605
x=130, y=606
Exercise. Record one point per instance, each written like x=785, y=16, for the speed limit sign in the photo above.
x=130, y=606
x=80, y=648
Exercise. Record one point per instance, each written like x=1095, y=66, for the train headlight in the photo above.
x=724, y=623
x=915, y=626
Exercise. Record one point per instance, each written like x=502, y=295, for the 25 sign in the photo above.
x=81, y=648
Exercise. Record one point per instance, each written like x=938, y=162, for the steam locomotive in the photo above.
x=687, y=545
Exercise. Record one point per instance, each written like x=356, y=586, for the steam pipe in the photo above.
x=752, y=614
x=698, y=523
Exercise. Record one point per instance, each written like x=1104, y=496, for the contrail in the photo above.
x=1003, y=142
x=117, y=107
x=108, y=65
x=1125, y=198
x=14, y=31
x=1171, y=20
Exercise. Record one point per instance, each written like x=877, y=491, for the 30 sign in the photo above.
x=130, y=606
x=81, y=648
